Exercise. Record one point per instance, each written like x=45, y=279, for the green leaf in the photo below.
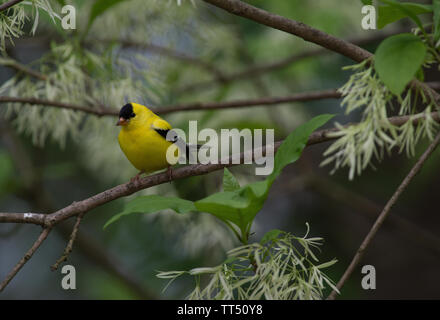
x=395, y=11
x=436, y=7
x=240, y=206
x=230, y=183
x=291, y=149
x=367, y=2
x=270, y=235
x=397, y=60
x=152, y=204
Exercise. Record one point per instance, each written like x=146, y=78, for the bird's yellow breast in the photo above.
x=144, y=148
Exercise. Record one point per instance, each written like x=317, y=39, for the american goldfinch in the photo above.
x=143, y=139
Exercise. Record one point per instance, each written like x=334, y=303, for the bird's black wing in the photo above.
x=164, y=133
x=179, y=142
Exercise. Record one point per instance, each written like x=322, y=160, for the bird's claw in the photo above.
x=170, y=173
x=136, y=179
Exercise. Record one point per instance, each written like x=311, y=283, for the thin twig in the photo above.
x=92, y=249
x=69, y=246
x=35, y=101
x=25, y=258
x=9, y=4
x=263, y=68
x=360, y=203
x=386, y=210
x=107, y=111
x=87, y=245
x=300, y=97
x=21, y=68
x=243, y=103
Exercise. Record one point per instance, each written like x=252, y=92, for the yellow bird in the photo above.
x=143, y=139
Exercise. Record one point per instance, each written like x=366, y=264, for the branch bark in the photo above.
x=386, y=210
x=299, y=29
x=273, y=66
x=25, y=258
x=108, y=111
x=7, y=5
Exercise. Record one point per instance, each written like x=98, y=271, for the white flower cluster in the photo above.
x=276, y=270
x=375, y=134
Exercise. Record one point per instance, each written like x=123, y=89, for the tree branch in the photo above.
x=25, y=258
x=305, y=32
x=129, y=188
x=69, y=246
x=299, y=29
x=299, y=97
x=35, y=101
x=273, y=66
x=108, y=111
x=17, y=66
x=82, y=207
x=386, y=210
x=9, y=4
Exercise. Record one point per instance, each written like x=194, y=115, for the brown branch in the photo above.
x=9, y=4
x=84, y=206
x=25, y=258
x=21, y=68
x=36, y=194
x=35, y=101
x=107, y=111
x=300, y=97
x=371, y=209
x=299, y=29
x=129, y=188
x=386, y=210
x=305, y=32
x=274, y=66
x=69, y=246
x=32, y=218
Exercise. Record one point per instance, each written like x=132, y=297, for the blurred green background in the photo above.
x=207, y=54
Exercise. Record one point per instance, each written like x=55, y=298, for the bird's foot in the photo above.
x=170, y=173
x=136, y=179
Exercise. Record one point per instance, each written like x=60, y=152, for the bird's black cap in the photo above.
x=127, y=112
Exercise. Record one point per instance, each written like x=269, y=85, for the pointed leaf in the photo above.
x=391, y=13
x=230, y=183
x=397, y=60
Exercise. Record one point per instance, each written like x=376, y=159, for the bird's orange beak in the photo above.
x=122, y=122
